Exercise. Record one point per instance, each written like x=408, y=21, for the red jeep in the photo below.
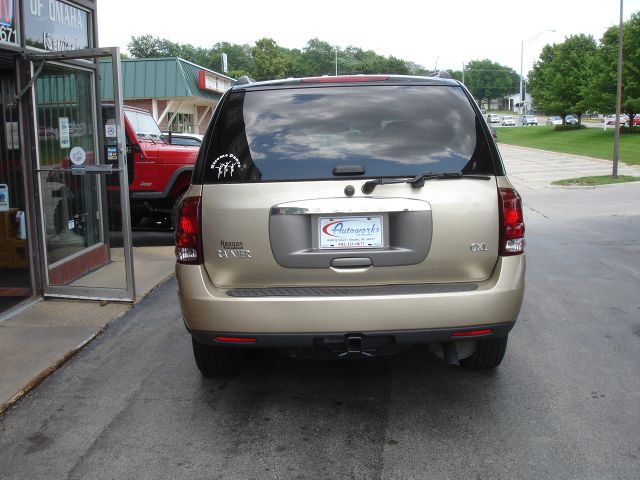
x=159, y=172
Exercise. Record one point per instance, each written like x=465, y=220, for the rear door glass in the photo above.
x=304, y=133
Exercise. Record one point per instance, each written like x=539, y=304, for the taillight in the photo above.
x=511, y=223
x=188, y=244
x=235, y=339
x=472, y=333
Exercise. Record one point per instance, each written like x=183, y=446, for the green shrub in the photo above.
x=630, y=130
x=564, y=128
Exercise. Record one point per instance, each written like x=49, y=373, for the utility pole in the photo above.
x=616, y=135
x=521, y=78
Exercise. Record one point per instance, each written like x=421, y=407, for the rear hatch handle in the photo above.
x=351, y=262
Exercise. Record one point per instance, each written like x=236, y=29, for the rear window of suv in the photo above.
x=304, y=133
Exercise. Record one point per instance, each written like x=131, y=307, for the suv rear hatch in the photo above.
x=320, y=185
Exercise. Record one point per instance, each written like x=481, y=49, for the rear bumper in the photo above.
x=335, y=339
x=496, y=301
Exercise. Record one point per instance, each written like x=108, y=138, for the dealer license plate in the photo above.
x=350, y=232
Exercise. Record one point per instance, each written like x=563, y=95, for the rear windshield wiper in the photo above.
x=418, y=180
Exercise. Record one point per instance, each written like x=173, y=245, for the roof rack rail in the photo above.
x=440, y=74
x=244, y=80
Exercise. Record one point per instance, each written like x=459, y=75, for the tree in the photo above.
x=270, y=60
x=559, y=77
x=267, y=60
x=415, y=69
x=396, y=66
x=239, y=58
x=488, y=80
x=316, y=58
x=600, y=91
x=146, y=46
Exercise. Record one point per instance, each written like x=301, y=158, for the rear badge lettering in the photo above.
x=226, y=166
x=478, y=247
x=225, y=244
x=234, y=253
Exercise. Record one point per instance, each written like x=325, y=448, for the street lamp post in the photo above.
x=616, y=134
x=522, y=61
x=521, y=82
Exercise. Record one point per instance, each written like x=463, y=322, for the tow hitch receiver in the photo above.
x=352, y=345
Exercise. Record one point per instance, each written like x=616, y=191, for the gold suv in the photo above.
x=351, y=215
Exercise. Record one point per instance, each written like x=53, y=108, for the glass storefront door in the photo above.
x=86, y=239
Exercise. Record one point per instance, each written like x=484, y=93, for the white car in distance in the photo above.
x=508, y=121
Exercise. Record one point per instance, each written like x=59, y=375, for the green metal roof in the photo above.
x=157, y=78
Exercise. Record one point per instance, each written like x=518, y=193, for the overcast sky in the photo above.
x=445, y=33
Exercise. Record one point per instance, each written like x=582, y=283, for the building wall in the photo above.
x=204, y=118
x=204, y=114
x=145, y=104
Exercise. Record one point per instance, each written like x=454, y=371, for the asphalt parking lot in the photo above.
x=563, y=405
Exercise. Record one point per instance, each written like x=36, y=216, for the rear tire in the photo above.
x=217, y=361
x=488, y=354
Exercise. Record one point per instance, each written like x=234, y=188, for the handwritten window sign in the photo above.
x=65, y=141
x=55, y=26
x=13, y=135
x=8, y=23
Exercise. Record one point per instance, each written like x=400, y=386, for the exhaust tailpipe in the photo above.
x=450, y=353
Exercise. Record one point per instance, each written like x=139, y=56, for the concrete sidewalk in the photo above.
x=35, y=342
x=530, y=169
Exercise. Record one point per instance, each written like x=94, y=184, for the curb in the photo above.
x=592, y=187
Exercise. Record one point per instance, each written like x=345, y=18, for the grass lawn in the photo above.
x=591, y=142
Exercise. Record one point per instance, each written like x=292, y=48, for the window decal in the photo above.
x=226, y=166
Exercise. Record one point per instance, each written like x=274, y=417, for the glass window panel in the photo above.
x=72, y=211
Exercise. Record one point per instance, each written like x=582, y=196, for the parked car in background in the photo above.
x=508, y=121
x=571, y=119
x=308, y=233
x=182, y=138
x=624, y=119
x=555, y=120
x=493, y=118
x=159, y=173
x=529, y=120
